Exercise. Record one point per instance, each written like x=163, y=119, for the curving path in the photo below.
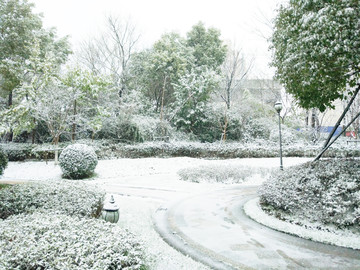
x=213, y=229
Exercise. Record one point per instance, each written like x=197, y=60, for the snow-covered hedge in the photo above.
x=325, y=193
x=3, y=161
x=253, y=149
x=228, y=174
x=65, y=197
x=17, y=151
x=50, y=241
x=78, y=161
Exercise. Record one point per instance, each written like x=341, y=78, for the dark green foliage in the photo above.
x=119, y=130
x=17, y=151
x=316, y=49
x=208, y=48
x=4, y=186
x=3, y=161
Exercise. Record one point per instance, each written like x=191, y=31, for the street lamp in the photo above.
x=111, y=211
x=278, y=108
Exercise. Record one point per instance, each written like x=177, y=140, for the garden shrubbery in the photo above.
x=52, y=225
x=17, y=151
x=78, y=161
x=252, y=148
x=63, y=197
x=228, y=174
x=3, y=161
x=325, y=193
x=55, y=241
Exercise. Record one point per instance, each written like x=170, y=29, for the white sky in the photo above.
x=240, y=21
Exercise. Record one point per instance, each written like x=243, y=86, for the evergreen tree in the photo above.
x=316, y=48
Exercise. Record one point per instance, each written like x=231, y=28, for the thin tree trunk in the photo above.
x=74, y=123
x=10, y=103
x=162, y=108
x=33, y=132
x=56, y=142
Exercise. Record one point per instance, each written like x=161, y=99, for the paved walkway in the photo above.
x=213, y=229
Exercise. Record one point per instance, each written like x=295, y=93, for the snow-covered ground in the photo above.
x=140, y=187
x=336, y=237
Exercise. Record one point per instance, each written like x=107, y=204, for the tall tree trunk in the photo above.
x=74, y=123
x=162, y=108
x=56, y=142
x=33, y=132
x=10, y=103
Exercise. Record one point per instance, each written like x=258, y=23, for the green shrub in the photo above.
x=53, y=241
x=3, y=161
x=78, y=161
x=120, y=130
x=228, y=174
x=258, y=129
x=65, y=197
x=325, y=192
x=17, y=151
x=4, y=186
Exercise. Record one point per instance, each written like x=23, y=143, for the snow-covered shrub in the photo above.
x=78, y=161
x=120, y=128
x=67, y=197
x=17, y=151
x=289, y=136
x=151, y=127
x=325, y=192
x=259, y=128
x=54, y=241
x=3, y=161
x=228, y=174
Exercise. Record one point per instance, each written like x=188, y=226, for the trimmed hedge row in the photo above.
x=106, y=149
x=62, y=197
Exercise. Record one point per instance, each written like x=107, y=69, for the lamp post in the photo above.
x=278, y=108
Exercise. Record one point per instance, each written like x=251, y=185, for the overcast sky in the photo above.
x=244, y=22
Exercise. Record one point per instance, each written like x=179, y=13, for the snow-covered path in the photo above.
x=143, y=187
x=214, y=229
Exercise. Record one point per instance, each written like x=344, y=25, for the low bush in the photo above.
x=50, y=241
x=78, y=161
x=228, y=174
x=3, y=161
x=325, y=192
x=64, y=197
x=17, y=151
x=4, y=186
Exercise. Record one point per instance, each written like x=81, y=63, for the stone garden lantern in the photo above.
x=110, y=211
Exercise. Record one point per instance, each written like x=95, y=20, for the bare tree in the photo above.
x=234, y=72
x=111, y=52
x=235, y=69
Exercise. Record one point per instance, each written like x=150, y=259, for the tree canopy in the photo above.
x=316, y=45
x=21, y=37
